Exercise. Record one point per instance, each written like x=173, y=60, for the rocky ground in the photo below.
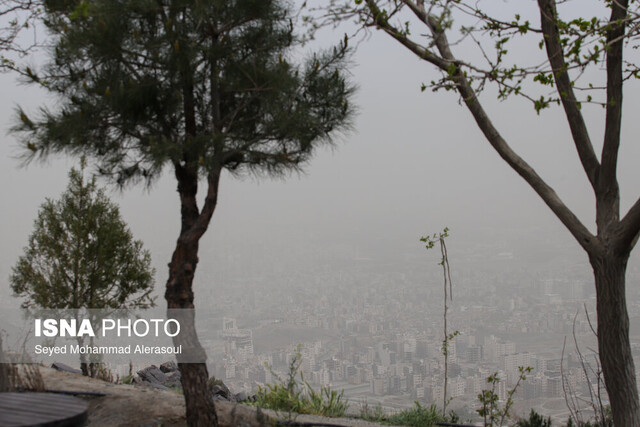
x=149, y=405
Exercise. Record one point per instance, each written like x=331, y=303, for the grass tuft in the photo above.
x=296, y=396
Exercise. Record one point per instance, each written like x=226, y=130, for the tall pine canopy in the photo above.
x=200, y=86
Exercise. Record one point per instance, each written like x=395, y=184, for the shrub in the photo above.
x=417, y=416
x=535, y=420
x=297, y=396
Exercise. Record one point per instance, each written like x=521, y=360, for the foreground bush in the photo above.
x=297, y=396
x=417, y=416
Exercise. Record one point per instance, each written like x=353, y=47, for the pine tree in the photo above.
x=198, y=86
x=81, y=254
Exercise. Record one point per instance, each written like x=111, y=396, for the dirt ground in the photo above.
x=133, y=405
x=123, y=405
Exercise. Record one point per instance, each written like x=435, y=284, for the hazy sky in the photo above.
x=414, y=163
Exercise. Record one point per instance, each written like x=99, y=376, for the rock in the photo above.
x=152, y=375
x=173, y=380
x=65, y=368
x=125, y=405
x=222, y=391
x=169, y=366
x=241, y=397
x=234, y=415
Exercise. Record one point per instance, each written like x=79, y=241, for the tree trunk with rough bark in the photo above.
x=613, y=339
x=179, y=295
x=617, y=235
x=194, y=376
x=200, y=408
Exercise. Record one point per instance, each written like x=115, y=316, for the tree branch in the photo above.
x=381, y=22
x=202, y=222
x=548, y=195
x=417, y=9
x=548, y=17
x=187, y=189
x=444, y=61
x=630, y=228
x=613, y=121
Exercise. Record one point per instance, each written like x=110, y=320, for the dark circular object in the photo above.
x=42, y=410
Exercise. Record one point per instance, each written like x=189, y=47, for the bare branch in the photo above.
x=568, y=396
x=17, y=16
x=422, y=53
x=583, y=365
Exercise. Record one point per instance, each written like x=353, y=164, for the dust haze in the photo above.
x=333, y=253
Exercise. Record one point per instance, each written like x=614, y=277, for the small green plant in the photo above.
x=417, y=416
x=420, y=416
x=493, y=414
x=213, y=381
x=105, y=374
x=535, y=420
x=607, y=421
x=327, y=402
x=375, y=413
x=127, y=379
x=430, y=242
x=177, y=389
x=295, y=396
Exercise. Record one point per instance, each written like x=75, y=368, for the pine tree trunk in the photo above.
x=200, y=408
x=613, y=339
x=194, y=376
x=179, y=295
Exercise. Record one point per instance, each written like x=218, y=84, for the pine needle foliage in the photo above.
x=81, y=254
x=200, y=86
x=203, y=85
